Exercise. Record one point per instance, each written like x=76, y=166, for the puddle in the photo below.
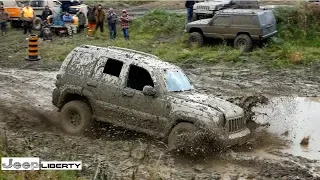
x=293, y=119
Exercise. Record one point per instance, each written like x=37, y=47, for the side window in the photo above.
x=113, y=67
x=138, y=78
x=81, y=64
x=245, y=20
x=222, y=20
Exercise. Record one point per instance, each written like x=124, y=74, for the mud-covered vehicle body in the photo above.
x=207, y=9
x=244, y=26
x=140, y=92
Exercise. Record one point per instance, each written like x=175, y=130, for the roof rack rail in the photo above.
x=134, y=51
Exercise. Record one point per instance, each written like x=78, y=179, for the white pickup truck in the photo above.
x=207, y=9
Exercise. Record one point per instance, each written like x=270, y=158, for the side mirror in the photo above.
x=149, y=91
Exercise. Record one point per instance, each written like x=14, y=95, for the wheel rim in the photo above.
x=194, y=42
x=242, y=43
x=73, y=118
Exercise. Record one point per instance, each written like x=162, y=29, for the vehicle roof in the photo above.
x=243, y=11
x=137, y=56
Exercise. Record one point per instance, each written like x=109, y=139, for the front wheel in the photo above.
x=243, y=42
x=76, y=117
x=179, y=136
x=196, y=39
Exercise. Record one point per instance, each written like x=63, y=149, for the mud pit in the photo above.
x=29, y=121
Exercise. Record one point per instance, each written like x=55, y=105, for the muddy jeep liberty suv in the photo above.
x=140, y=92
x=244, y=26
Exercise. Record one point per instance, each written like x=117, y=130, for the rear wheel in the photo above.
x=243, y=42
x=76, y=117
x=196, y=39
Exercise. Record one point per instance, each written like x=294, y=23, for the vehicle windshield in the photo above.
x=177, y=81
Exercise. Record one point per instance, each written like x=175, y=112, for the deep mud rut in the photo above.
x=30, y=122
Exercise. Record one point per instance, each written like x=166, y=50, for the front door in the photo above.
x=219, y=27
x=147, y=111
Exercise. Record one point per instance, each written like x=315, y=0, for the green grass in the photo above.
x=161, y=34
x=5, y=151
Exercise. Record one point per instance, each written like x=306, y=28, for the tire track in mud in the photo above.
x=29, y=121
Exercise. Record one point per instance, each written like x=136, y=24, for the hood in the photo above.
x=191, y=99
x=202, y=21
x=211, y=4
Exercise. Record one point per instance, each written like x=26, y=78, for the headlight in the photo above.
x=222, y=120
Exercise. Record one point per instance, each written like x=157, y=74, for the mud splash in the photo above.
x=292, y=119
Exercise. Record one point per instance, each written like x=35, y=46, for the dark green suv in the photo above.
x=244, y=26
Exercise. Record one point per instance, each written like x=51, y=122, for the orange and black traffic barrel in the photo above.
x=33, y=51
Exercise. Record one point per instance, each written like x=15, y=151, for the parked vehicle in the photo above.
x=56, y=8
x=14, y=11
x=244, y=26
x=140, y=92
x=207, y=9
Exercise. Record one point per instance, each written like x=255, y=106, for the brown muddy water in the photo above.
x=293, y=119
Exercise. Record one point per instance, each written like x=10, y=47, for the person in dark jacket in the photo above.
x=112, y=21
x=45, y=13
x=91, y=18
x=4, y=17
x=82, y=20
x=100, y=16
x=189, y=5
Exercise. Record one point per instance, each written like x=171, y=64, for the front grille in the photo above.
x=236, y=124
x=203, y=7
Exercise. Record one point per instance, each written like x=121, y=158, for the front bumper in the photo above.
x=237, y=138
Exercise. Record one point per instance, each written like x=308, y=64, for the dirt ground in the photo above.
x=30, y=122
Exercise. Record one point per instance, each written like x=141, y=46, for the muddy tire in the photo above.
x=196, y=39
x=180, y=133
x=243, y=42
x=36, y=24
x=76, y=117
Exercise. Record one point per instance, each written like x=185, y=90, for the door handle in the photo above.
x=128, y=94
x=92, y=83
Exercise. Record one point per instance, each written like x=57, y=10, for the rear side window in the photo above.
x=82, y=64
x=222, y=20
x=113, y=67
x=245, y=20
x=267, y=18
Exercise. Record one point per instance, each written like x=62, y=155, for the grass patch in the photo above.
x=161, y=33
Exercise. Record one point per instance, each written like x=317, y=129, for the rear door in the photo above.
x=219, y=27
x=105, y=88
x=267, y=22
x=245, y=24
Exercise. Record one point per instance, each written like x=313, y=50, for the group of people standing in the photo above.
x=96, y=20
x=97, y=17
